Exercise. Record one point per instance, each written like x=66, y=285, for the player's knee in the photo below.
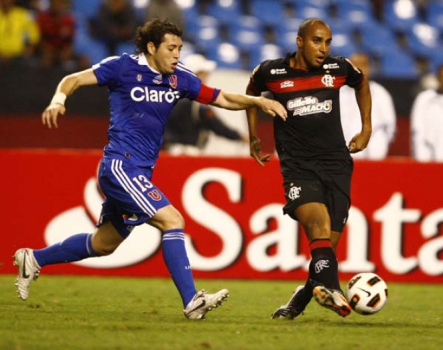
x=106, y=239
x=174, y=221
x=167, y=218
x=317, y=229
x=105, y=249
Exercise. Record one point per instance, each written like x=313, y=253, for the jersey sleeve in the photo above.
x=207, y=94
x=257, y=79
x=354, y=76
x=199, y=92
x=107, y=70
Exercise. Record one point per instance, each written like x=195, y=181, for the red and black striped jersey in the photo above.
x=313, y=128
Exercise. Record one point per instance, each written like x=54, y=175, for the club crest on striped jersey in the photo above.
x=328, y=80
x=139, y=77
x=173, y=81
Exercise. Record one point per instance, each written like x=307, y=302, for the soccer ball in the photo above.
x=367, y=293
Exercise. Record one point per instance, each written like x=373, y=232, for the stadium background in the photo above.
x=405, y=43
x=403, y=38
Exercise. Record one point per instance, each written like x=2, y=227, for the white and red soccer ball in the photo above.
x=367, y=293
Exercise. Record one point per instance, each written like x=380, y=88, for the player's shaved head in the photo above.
x=307, y=23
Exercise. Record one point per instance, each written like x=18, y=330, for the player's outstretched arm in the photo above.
x=65, y=88
x=232, y=101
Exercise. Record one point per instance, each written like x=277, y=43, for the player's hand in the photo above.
x=273, y=108
x=255, y=149
x=359, y=142
x=50, y=114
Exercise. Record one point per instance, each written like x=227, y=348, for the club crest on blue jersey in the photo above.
x=139, y=77
x=173, y=81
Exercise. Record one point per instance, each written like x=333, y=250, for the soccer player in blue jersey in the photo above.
x=143, y=90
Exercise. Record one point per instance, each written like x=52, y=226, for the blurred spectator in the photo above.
x=383, y=114
x=33, y=5
x=57, y=29
x=190, y=123
x=163, y=9
x=19, y=33
x=114, y=24
x=427, y=123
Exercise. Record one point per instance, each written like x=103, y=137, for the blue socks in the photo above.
x=79, y=247
x=176, y=259
x=74, y=248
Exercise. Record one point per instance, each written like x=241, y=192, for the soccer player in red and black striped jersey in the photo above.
x=315, y=161
x=143, y=89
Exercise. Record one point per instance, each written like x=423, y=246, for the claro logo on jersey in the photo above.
x=308, y=105
x=139, y=94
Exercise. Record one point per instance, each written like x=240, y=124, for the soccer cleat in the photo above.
x=28, y=270
x=333, y=300
x=199, y=306
x=290, y=310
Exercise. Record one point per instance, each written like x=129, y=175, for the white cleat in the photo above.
x=202, y=303
x=333, y=300
x=28, y=270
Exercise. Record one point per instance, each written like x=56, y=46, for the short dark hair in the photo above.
x=303, y=28
x=154, y=31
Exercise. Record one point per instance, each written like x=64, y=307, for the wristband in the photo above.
x=59, y=98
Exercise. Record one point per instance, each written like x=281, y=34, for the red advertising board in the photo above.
x=234, y=222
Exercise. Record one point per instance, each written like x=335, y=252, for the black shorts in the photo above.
x=327, y=182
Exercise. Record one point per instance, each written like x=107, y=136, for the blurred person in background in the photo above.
x=190, y=123
x=383, y=117
x=315, y=160
x=19, y=33
x=115, y=23
x=57, y=28
x=165, y=9
x=143, y=89
x=427, y=123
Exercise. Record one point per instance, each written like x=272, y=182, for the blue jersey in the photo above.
x=141, y=100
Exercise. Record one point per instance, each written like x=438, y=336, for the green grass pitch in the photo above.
x=144, y=313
